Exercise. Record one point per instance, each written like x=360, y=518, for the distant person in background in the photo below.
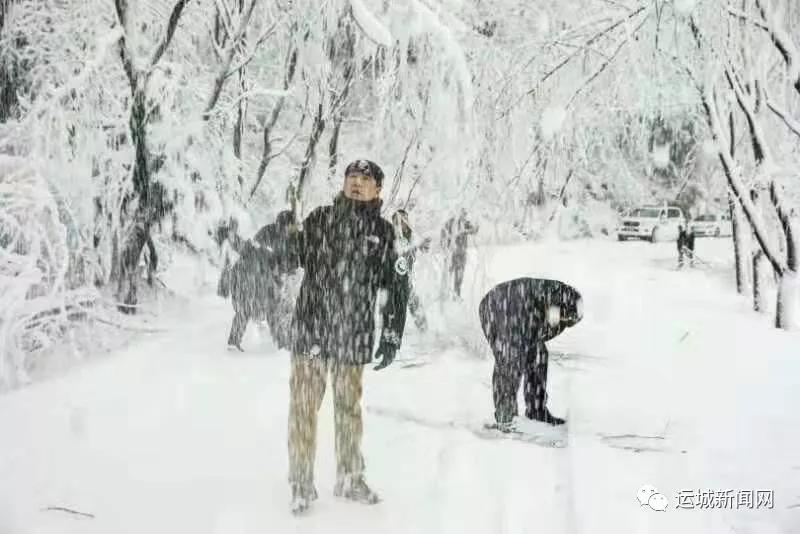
x=685, y=245
x=455, y=236
x=517, y=318
x=407, y=248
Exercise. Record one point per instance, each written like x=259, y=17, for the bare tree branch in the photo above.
x=317, y=128
x=791, y=123
x=333, y=145
x=124, y=53
x=217, y=49
x=760, y=150
x=744, y=17
x=398, y=175
x=67, y=510
x=226, y=16
x=561, y=194
x=172, y=24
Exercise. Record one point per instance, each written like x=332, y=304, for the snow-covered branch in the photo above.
x=731, y=173
x=102, y=46
x=760, y=146
x=225, y=16
x=741, y=15
x=124, y=51
x=787, y=119
x=607, y=62
x=370, y=25
x=230, y=53
x=570, y=57
x=784, y=43
x=248, y=56
x=172, y=24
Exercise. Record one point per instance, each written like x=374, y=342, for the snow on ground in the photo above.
x=670, y=380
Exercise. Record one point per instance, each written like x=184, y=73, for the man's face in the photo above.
x=360, y=187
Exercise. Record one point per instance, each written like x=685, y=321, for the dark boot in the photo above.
x=302, y=497
x=237, y=330
x=355, y=488
x=545, y=416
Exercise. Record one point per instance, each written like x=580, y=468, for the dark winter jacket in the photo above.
x=256, y=277
x=685, y=239
x=347, y=252
x=514, y=313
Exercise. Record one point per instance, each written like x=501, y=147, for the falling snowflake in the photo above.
x=552, y=120
x=543, y=24
x=710, y=148
x=661, y=156
x=684, y=7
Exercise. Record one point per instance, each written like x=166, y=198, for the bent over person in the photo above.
x=517, y=318
x=347, y=252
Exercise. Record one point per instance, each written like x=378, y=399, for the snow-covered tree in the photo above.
x=742, y=60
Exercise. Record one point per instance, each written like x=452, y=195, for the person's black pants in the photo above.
x=237, y=328
x=458, y=264
x=512, y=364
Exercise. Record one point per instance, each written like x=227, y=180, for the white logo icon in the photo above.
x=401, y=266
x=649, y=496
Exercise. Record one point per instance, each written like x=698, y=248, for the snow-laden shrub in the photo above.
x=42, y=285
x=590, y=219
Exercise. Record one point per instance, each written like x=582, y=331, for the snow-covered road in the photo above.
x=670, y=380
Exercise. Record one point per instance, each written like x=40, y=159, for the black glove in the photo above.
x=386, y=353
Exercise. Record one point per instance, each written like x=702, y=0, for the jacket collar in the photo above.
x=345, y=205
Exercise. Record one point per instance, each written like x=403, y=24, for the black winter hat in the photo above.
x=367, y=168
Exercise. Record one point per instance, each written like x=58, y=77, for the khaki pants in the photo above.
x=306, y=390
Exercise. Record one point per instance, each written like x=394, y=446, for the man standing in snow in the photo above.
x=685, y=245
x=454, y=240
x=347, y=252
x=517, y=318
x=407, y=248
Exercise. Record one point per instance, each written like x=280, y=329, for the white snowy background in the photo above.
x=546, y=121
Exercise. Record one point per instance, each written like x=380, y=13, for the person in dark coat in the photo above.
x=685, y=245
x=407, y=248
x=256, y=281
x=347, y=252
x=455, y=236
x=517, y=318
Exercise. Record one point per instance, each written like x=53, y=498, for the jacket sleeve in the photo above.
x=302, y=242
x=395, y=280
